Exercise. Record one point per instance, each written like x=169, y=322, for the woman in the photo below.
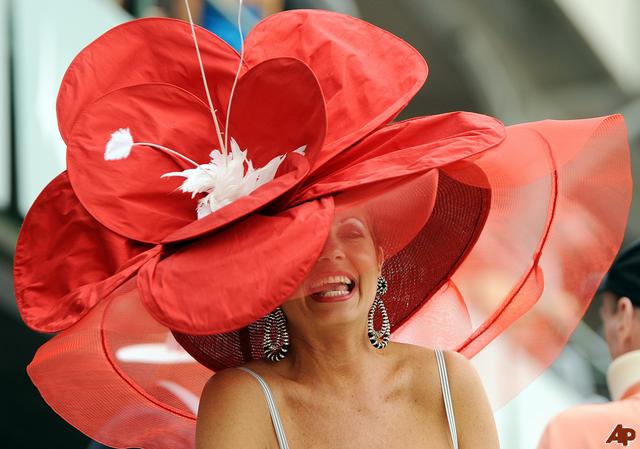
x=227, y=276
x=334, y=388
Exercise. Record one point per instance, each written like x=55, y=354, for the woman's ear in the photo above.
x=380, y=254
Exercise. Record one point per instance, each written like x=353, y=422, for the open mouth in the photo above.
x=333, y=287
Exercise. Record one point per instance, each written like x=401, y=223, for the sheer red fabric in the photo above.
x=494, y=238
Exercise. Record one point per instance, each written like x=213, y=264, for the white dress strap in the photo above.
x=446, y=394
x=273, y=411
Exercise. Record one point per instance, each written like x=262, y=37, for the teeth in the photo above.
x=333, y=293
x=332, y=280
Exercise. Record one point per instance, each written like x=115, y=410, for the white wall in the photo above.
x=47, y=36
x=612, y=29
x=4, y=106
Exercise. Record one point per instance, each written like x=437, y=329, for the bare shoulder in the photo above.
x=461, y=373
x=232, y=412
x=419, y=360
x=421, y=356
x=471, y=408
x=472, y=411
x=416, y=368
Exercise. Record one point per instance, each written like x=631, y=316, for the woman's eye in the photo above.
x=353, y=229
x=352, y=234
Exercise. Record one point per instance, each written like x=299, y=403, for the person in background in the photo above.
x=145, y=8
x=617, y=423
x=221, y=16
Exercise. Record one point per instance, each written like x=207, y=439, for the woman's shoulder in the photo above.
x=231, y=382
x=423, y=364
x=471, y=407
x=232, y=412
x=421, y=357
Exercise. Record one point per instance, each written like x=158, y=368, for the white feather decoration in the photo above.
x=224, y=181
x=119, y=146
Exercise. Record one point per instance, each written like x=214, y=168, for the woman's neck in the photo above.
x=336, y=358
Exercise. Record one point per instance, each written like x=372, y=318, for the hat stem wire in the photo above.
x=223, y=148
x=235, y=81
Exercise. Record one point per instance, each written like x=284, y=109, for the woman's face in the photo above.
x=341, y=286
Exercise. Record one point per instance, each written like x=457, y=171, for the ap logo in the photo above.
x=622, y=435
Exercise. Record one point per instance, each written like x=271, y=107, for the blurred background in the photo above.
x=518, y=60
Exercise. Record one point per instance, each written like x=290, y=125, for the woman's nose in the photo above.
x=331, y=251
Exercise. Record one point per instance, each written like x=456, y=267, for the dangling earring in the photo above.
x=379, y=339
x=276, y=322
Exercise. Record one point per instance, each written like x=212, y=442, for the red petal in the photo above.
x=367, y=75
x=66, y=261
x=128, y=195
x=146, y=51
x=400, y=149
x=196, y=290
x=277, y=108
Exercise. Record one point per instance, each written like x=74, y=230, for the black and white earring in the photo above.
x=379, y=339
x=276, y=323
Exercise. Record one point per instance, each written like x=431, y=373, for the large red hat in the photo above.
x=491, y=234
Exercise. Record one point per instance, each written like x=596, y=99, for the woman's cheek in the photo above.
x=297, y=294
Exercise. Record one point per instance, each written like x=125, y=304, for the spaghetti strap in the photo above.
x=446, y=394
x=273, y=411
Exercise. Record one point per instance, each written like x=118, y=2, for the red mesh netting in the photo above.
x=118, y=376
